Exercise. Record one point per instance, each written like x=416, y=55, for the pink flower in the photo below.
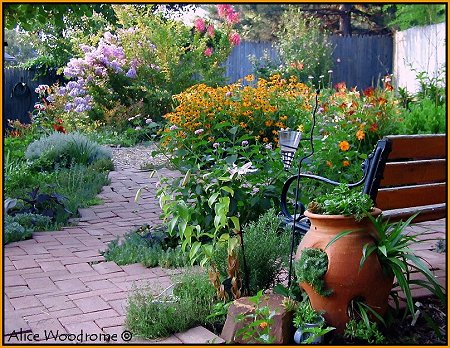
x=210, y=30
x=235, y=39
x=200, y=25
x=224, y=10
x=233, y=18
x=208, y=52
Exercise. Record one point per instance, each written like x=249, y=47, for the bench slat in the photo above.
x=427, y=213
x=414, y=172
x=411, y=196
x=427, y=146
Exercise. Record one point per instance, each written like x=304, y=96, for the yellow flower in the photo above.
x=345, y=163
x=301, y=128
x=249, y=78
x=263, y=325
x=360, y=134
x=344, y=145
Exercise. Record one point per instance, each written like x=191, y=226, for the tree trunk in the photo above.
x=345, y=26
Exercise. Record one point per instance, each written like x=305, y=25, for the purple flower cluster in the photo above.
x=108, y=57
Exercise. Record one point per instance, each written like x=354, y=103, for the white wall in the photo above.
x=420, y=49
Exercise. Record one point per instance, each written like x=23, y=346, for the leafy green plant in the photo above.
x=59, y=149
x=359, y=330
x=20, y=226
x=306, y=314
x=35, y=222
x=262, y=267
x=15, y=232
x=393, y=249
x=311, y=267
x=150, y=248
x=51, y=205
x=153, y=316
x=79, y=184
x=342, y=201
x=257, y=323
x=304, y=46
x=311, y=323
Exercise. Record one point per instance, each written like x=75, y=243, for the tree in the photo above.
x=404, y=16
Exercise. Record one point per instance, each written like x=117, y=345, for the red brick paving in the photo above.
x=60, y=281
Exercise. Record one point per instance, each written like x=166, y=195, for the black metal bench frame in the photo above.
x=372, y=168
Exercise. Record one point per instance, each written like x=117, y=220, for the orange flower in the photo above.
x=360, y=135
x=263, y=325
x=344, y=145
x=329, y=164
x=345, y=163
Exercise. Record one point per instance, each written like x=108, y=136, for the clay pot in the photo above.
x=344, y=275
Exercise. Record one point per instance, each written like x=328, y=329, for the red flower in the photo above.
x=369, y=92
x=59, y=128
x=373, y=127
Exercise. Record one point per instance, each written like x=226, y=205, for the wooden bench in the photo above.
x=405, y=174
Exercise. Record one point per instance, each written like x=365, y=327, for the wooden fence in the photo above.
x=357, y=60
x=18, y=92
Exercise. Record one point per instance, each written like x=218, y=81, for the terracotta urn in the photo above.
x=344, y=275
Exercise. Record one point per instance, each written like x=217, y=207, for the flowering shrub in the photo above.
x=223, y=115
x=141, y=64
x=350, y=123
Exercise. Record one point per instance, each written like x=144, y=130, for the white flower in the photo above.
x=199, y=131
x=245, y=169
x=215, y=145
x=138, y=128
x=269, y=146
x=244, y=143
x=330, y=71
x=173, y=127
x=310, y=77
x=148, y=121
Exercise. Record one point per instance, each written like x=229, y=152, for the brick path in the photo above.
x=60, y=281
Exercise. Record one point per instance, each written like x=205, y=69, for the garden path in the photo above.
x=60, y=280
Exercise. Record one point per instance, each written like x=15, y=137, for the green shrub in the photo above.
x=15, y=232
x=33, y=222
x=78, y=184
x=103, y=165
x=266, y=247
x=135, y=248
x=64, y=150
x=424, y=116
x=153, y=316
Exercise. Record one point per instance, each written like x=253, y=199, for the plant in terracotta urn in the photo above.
x=340, y=230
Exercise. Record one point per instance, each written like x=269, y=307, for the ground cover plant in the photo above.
x=48, y=177
x=148, y=246
x=160, y=315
